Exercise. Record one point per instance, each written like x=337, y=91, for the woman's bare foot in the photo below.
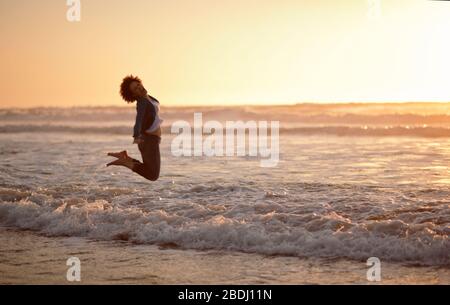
x=127, y=162
x=120, y=155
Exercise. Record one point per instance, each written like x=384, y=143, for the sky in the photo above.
x=211, y=52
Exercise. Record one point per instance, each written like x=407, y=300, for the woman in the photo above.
x=146, y=133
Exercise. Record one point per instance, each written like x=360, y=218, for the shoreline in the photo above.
x=31, y=258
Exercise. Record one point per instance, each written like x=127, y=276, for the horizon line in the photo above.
x=324, y=103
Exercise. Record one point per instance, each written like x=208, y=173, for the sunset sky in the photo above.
x=210, y=52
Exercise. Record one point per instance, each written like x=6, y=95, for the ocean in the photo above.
x=353, y=181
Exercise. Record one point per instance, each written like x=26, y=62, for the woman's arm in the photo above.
x=140, y=108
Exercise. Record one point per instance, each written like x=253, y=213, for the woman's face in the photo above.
x=138, y=89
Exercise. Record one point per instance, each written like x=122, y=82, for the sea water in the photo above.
x=333, y=201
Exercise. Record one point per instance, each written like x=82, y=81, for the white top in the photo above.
x=158, y=121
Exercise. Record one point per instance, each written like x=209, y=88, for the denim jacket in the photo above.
x=145, y=116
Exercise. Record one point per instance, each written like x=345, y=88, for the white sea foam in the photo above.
x=266, y=228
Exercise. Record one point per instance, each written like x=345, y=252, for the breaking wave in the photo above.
x=267, y=228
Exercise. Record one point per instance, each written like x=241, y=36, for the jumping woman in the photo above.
x=146, y=132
